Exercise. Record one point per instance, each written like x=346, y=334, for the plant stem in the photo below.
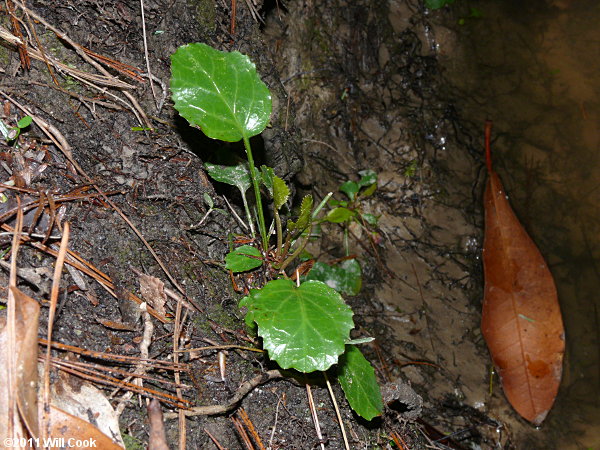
x=321, y=205
x=261, y=216
x=279, y=233
x=298, y=250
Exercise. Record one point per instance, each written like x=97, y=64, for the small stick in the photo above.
x=337, y=411
x=60, y=261
x=313, y=413
x=488, y=151
x=146, y=53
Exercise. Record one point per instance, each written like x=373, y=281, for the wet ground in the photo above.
x=539, y=83
x=357, y=85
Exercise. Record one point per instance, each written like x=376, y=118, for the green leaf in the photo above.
x=367, y=178
x=267, y=175
x=238, y=176
x=220, y=92
x=350, y=188
x=370, y=219
x=243, y=258
x=346, y=278
x=24, y=122
x=304, y=217
x=357, y=378
x=209, y=201
x=280, y=192
x=334, y=202
x=369, y=190
x=339, y=215
x=304, y=327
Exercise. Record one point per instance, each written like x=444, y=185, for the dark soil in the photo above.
x=356, y=85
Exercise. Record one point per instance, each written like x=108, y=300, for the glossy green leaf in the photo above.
x=238, y=176
x=243, y=258
x=24, y=122
x=350, y=188
x=367, y=178
x=304, y=327
x=220, y=92
x=280, y=192
x=339, y=215
x=358, y=380
x=304, y=217
x=346, y=278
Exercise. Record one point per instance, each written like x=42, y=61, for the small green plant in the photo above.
x=11, y=134
x=304, y=326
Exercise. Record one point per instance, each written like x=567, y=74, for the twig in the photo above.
x=251, y=428
x=214, y=439
x=337, y=411
x=176, y=337
x=60, y=260
x=275, y=424
x=240, y=221
x=313, y=413
x=146, y=54
x=242, y=433
x=242, y=391
x=11, y=346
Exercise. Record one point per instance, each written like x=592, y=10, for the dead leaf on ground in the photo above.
x=521, y=319
x=153, y=291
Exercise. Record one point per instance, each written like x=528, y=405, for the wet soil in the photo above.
x=356, y=85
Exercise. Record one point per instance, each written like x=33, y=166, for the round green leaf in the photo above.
x=367, y=178
x=243, y=258
x=358, y=380
x=220, y=92
x=345, y=278
x=304, y=327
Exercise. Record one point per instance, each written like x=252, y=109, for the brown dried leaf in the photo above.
x=68, y=427
x=521, y=319
x=26, y=349
x=153, y=291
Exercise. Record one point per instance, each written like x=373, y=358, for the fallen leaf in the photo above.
x=153, y=291
x=521, y=320
x=66, y=428
x=25, y=371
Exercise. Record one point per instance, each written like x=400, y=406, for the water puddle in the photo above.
x=533, y=69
